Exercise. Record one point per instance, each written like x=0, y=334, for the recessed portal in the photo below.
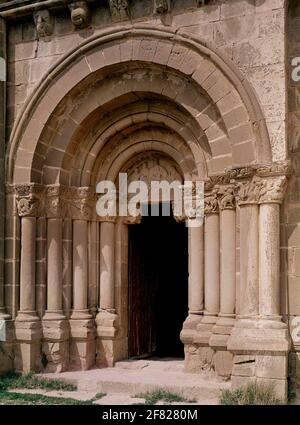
x=158, y=286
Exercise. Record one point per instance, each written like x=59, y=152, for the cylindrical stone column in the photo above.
x=228, y=263
x=196, y=270
x=3, y=43
x=54, y=266
x=212, y=264
x=249, y=260
x=107, y=265
x=269, y=260
x=80, y=269
x=27, y=269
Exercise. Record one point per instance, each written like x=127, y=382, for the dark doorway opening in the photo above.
x=158, y=286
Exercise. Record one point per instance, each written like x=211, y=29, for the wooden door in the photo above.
x=158, y=286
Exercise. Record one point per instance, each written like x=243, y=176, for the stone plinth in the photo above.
x=109, y=347
x=55, y=345
x=82, y=344
x=260, y=349
x=28, y=345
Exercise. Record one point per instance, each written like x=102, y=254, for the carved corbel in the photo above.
x=43, y=23
x=80, y=14
x=119, y=9
x=161, y=6
x=29, y=200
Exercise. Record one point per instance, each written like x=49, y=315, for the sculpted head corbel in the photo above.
x=161, y=6
x=43, y=23
x=80, y=15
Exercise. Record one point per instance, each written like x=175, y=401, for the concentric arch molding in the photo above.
x=116, y=35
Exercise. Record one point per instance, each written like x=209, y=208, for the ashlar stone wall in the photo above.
x=251, y=32
x=290, y=234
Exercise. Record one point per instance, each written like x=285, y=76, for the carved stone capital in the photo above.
x=273, y=190
x=82, y=201
x=29, y=199
x=262, y=190
x=43, y=23
x=211, y=204
x=161, y=6
x=132, y=219
x=55, y=207
x=119, y=9
x=80, y=15
x=227, y=198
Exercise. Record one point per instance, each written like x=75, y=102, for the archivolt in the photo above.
x=155, y=61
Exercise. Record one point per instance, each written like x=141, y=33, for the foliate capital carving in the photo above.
x=131, y=219
x=161, y=6
x=211, y=204
x=227, y=198
x=80, y=15
x=119, y=9
x=262, y=190
x=55, y=206
x=29, y=199
x=43, y=23
x=82, y=201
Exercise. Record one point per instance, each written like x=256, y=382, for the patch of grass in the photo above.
x=291, y=393
x=36, y=399
x=161, y=395
x=29, y=381
x=252, y=394
x=98, y=396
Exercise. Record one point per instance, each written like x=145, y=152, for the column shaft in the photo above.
x=54, y=265
x=80, y=265
x=196, y=270
x=228, y=262
x=2, y=157
x=249, y=260
x=269, y=260
x=27, y=273
x=107, y=260
x=212, y=264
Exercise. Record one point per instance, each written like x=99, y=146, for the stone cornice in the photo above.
x=120, y=9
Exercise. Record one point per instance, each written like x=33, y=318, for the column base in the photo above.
x=201, y=348
x=28, y=335
x=55, y=343
x=223, y=359
x=82, y=343
x=260, y=348
x=109, y=348
x=192, y=361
